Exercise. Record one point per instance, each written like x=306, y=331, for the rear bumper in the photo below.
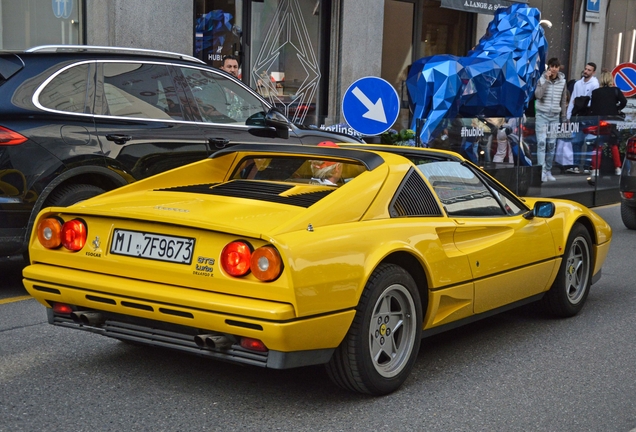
x=169, y=316
x=181, y=338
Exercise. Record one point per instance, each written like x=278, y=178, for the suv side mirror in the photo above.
x=279, y=122
x=542, y=209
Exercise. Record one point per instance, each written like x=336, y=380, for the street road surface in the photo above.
x=519, y=371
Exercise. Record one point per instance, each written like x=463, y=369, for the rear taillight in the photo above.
x=50, y=233
x=9, y=137
x=53, y=233
x=235, y=258
x=239, y=259
x=266, y=264
x=630, y=151
x=74, y=235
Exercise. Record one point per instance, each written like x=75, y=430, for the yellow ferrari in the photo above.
x=286, y=256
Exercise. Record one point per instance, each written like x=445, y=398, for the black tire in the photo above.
x=72, y=194
x=571, y=287
x=628, y=214
x=378, y=353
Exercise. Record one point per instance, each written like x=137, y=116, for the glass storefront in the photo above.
x=285, y=68
x=284, y=42
x=620, y=34
x=419, y=28
x=28, y=23
x=588, y=154
x=218, y=30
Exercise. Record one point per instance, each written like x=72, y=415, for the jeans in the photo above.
x=545, y=145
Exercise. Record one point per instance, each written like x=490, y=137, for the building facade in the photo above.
x=304, y=54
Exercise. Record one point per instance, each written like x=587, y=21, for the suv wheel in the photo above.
x=628, y=214
x=72, y=194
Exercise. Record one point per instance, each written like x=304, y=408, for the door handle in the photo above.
x=219, y=142
x=119, y=139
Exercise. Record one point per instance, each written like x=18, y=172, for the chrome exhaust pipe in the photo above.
x=213, y=341
x=88, y=318
x=218, y=341
x=200, y=340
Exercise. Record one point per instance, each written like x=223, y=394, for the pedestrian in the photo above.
x=583, y=89
x=230, y=65
x=607, y=100
x=551, y=103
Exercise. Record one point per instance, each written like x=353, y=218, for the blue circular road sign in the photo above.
x=370, y=105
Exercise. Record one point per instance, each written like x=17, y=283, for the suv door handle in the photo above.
x=119, y=139
x=219, y=142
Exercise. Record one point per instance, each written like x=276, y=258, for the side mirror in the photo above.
x=279, y=122
x=541, y=209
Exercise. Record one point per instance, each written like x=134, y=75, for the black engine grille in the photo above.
x=263, y=191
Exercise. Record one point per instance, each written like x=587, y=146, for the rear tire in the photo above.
x=571, y=287
x=628, y=214
x=379, y=350
x=72, y=194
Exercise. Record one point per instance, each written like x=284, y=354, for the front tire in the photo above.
x=628, y=214
x=571, y=287
x=379, y=350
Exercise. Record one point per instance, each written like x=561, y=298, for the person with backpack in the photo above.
x=579, y=106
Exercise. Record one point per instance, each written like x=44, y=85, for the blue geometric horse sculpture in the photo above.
x=496, y=79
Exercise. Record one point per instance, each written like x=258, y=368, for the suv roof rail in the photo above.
x=92, y=48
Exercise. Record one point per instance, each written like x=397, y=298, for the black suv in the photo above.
x=76, y=121
x=628, y=185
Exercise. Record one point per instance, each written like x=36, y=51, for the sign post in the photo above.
x=370, y=106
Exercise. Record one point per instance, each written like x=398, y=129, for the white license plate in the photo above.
x=152, y=246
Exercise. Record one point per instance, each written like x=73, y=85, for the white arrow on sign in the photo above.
x=376, y=110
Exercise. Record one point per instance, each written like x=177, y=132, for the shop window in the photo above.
x=285, y=56
x=444, y=31
x=28, y=23
x=217, y=30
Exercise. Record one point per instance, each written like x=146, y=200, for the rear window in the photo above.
x=67, y=91
x=327, y=172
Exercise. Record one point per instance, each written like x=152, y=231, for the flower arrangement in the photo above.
x=405, y=137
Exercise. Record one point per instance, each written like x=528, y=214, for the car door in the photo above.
x=228, y=112
x=511, y=257
x=143, y=119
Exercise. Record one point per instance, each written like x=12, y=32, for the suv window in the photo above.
x=140, y=90
x=219, y=99
x=67, y=91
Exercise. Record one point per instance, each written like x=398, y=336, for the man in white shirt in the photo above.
x=583, y=87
